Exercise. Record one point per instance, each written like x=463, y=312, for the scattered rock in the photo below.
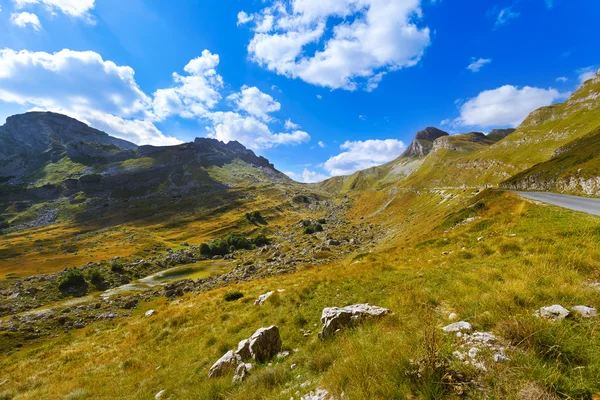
x=262, y=298
x=227, y=363
x=265, y=343
x=334, y=319
x=241, y=373
x=160, y=395
x=243, y=350
x=319, y=394
x=554, y=313
x=460, y=326
x=149, y=313
x=585, y=311
x=452, y=317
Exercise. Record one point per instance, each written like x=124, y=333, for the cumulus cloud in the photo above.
x=562, y=79
x=312, y=176
x=586, y=73
x=322, y=144
x=505, y=106
x=72, y=8
x=290, y=126
x=255, y=102
x=338, y=44
x=82, y=85
x=359, y=155
x=85, y=86
x=476, y=65
x=243, y=18
x=194, y=94
x=23, y=19
x=229, y=126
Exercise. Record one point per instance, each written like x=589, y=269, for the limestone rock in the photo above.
x=585, y=311
x=265, y=343
x=554, y=313
x=319, y=394
x=241, y=373
x=460, y=326
x=334, y=319
x=227, y=363
x=243, y=350
x=262, y=298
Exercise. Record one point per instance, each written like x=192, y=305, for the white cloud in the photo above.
x=505, y=15
x=505, y=106
x=193, y=95
x=562, y=79
x=290, y=126
x=72, y=8
x=319, y=97
x=322, y=144
x=255, y=102
x=586, y=73
x=243, y=18
x=85, y=86
x=362, y=117
x=313, y=176
x=363, y=154
x=476, y=65
x=23, y=19
x=338, y=44
x=250, y=131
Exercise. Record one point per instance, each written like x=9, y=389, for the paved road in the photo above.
x=584, y=204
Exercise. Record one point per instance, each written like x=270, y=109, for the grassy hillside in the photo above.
x=492, y=266
x=575, y=169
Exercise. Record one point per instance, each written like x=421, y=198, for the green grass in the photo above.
x=517, y=269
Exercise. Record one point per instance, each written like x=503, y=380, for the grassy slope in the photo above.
x=578, y=161
x=495, y=283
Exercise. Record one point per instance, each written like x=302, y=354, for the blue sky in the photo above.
x=320, y=87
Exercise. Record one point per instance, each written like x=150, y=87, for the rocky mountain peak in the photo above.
x=423, y=142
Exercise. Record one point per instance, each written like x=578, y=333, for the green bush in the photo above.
x=313, y=228
x=256, y=218
x=72, y=280
x=96, y=278
x=231, y=243
x=233, y=295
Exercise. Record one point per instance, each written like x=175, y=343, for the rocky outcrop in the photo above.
x=585, y=311
x=229, y=362
x=335, y=319
x=262, y=298
x=422, y=144
x=554, y=313
x=262, y=346
x=460, y=326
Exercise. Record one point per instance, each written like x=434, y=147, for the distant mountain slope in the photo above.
x=29, y=140
x=435, y=159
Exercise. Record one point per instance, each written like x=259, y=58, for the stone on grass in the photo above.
x=319, y=394
x=225, y=364
x=334, y=319
x=460, y=326
x=149, y=313
x=554, y=313
x=160, y=395
x=262, y=298
x=265, y=343
x=585, y=311
x=241, y=373
x=243, y=350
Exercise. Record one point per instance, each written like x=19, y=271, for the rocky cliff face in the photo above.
x=422, y=144
x=498, y=134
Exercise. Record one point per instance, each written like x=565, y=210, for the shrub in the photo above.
x=233, y=295
x=96, y=278
x=231, y=243
x=313, y=228
x=255, y=218
x=72, y=282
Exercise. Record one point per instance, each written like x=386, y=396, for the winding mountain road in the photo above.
x=583, y=204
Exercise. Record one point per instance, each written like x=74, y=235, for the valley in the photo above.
x=130, y=271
